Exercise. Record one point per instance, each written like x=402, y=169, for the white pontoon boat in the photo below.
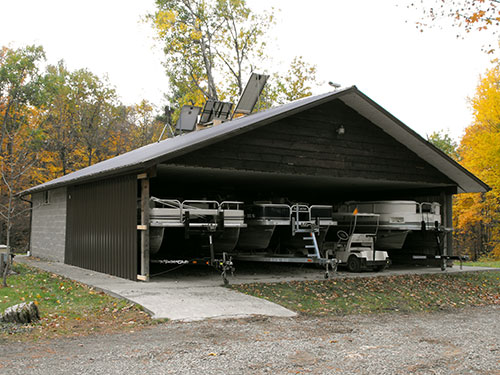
x=262, y=219
x=195, y=217
x=398, y=219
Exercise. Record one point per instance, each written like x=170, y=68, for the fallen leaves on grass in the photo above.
x=382, y=294
x=67, y=308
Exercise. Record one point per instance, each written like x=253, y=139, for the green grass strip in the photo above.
x=408, y=293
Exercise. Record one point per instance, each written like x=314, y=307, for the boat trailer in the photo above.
x=201, y=218
x=306, y=227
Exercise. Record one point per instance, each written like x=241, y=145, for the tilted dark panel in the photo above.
x=101, y=229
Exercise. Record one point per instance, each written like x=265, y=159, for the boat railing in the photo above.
x=204, y=212
x=171, y=205
x=233, y=214
x=230, y=205
x=301, y=219
x=299, y=211
x=209, y=208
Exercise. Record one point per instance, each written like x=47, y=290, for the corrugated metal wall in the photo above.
x=101, y=227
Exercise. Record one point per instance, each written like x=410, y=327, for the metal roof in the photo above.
x=147, y=156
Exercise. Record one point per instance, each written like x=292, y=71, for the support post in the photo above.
x=144, y=229
x=448, y=223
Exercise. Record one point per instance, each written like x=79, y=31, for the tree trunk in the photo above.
x=9, y=256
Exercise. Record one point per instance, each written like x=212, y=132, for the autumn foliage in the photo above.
x=477, y=216
x=54, y=121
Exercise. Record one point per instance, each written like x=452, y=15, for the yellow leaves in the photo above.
x=164, y=21
x=196, y=34
x=183, y=27
x=495, y=253
x=477, y=216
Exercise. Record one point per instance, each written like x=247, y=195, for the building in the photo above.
x=332, y=147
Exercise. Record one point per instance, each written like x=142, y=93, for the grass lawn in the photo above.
x=484, y=263
x=67, y=308
x=409, y=293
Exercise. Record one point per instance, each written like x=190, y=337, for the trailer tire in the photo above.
x=354, y=264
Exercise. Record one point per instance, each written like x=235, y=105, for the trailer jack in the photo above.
x=224, y=265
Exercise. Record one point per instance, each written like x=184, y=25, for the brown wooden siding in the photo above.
x=101, y=229
x=307, y=144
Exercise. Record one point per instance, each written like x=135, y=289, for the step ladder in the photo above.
x=314, y=245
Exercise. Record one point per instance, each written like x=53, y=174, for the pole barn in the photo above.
x=331, y=148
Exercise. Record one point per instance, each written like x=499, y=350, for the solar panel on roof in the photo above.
x=208, y=111
x=188, y=118
x=222, y=110
x=214, y=109
x=251, y=94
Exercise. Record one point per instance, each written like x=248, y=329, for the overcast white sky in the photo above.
x=424, y=79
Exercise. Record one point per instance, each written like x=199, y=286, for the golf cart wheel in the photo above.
x=354, y=264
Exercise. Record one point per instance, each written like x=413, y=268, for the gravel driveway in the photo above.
x=459, y=342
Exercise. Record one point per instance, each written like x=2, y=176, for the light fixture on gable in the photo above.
x=340, y=130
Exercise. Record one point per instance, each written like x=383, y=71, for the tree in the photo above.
x=207, y=38
x=147, y=128
x=20, y=95
x=445, y=143
x=212, y=46
x=63, y=153
x=296, y=83
x=477, y=216
x=466, y=15
x=85, y=123
x=93, y=100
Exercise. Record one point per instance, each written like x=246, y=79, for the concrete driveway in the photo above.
x=197, y=293
x=178, y=298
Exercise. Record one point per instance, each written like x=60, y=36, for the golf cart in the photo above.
x=355, y=245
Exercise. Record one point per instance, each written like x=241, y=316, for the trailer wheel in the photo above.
x=443, y=264
x=354, y=264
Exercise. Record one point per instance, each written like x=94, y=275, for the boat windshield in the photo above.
x=365, y=223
